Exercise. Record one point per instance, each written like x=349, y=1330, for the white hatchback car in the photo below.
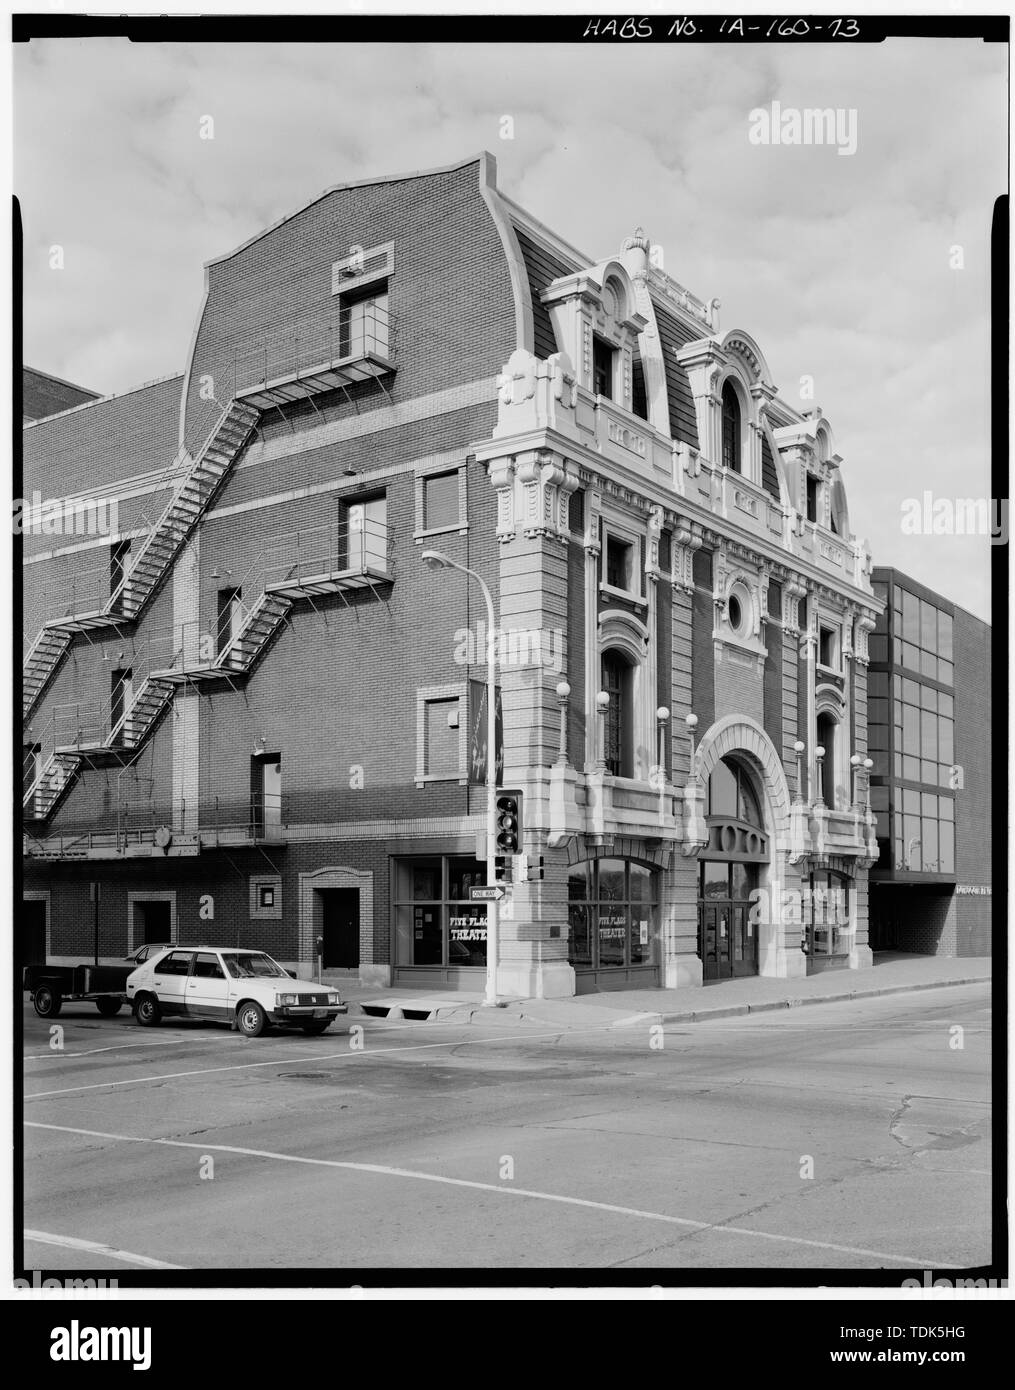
x=246, y=989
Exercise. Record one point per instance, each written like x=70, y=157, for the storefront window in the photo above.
x=613, y=908
x=826, y=917
x=435, y=922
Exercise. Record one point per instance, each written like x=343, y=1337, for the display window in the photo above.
x=613, y=911
x=436, y=924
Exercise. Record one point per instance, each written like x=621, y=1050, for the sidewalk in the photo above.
x=892, y=973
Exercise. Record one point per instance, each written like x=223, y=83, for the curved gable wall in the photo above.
x=450, y=297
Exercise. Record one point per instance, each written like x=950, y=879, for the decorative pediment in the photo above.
x=600, y=302
x=736, y=343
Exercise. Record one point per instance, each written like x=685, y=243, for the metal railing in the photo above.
x=355, y=331
x=138, y=823
x=92, y=590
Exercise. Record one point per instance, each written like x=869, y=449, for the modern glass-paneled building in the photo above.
x=929, y=722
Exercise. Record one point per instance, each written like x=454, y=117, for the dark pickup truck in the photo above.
x=52, y=986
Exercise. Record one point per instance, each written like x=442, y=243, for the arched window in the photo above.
x=731, y=793
x=731, y=427
x=618, y=732
x=827, y=731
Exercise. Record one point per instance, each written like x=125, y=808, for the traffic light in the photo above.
x=508, y=828
x=502, y=869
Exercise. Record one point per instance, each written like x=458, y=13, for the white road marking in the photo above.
x=116, y=1047
x=95, y=1248
x=529, y=1193
x=297, y=1061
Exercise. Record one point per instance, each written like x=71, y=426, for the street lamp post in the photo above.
x=798, y=748
x=856, y=763
x=563, y=694
x=435, y=559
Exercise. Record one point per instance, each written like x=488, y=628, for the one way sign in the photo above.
x=491, y=893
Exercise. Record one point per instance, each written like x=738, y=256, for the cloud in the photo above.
x=839, y=266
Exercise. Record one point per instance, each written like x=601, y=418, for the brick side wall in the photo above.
x=113, y=439
x=336, y=692
x=739, y=687
x=308, y=460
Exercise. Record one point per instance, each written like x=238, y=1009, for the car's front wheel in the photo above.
x=318, y=1027
x=147, y=1011
x=251, y=1019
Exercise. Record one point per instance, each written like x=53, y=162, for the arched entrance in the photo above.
x=729, y=870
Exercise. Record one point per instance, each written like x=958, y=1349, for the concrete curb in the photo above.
x=647, y=1019
x=767, y=1006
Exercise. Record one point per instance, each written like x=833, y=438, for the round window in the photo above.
x=736, y=613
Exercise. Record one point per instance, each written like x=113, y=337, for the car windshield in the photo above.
x=246, y=966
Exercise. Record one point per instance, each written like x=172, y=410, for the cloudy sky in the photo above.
x=840, y=266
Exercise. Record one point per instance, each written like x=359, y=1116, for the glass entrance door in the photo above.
x=727, y=938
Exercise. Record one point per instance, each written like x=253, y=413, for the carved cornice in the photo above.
x=533, y=495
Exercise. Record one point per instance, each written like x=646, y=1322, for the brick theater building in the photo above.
x=253, y=715
x=930, y=741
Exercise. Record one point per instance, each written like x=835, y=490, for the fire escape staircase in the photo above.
x=155, y=558
x=154, y=561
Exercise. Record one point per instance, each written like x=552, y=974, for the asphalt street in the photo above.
x=850, y=1135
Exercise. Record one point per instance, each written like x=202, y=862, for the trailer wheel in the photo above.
x=251, y=1019
x=147, y=1012
x=109, y=1007
x=48, y=1002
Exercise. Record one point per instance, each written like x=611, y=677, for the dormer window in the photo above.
x=731, y=428
x=602, y=367
x=596, y=324
x=812, y=498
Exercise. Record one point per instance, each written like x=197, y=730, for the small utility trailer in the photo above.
x=52, y=986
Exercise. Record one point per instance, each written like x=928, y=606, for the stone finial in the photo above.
x=638, y=242
x=635, y=251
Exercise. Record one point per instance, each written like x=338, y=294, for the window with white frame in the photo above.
x=621, y=561
x=603, y=356
x=441, y=500
x=363, y=533
x=732, y=429
x=266, y=897
x=828, y=647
